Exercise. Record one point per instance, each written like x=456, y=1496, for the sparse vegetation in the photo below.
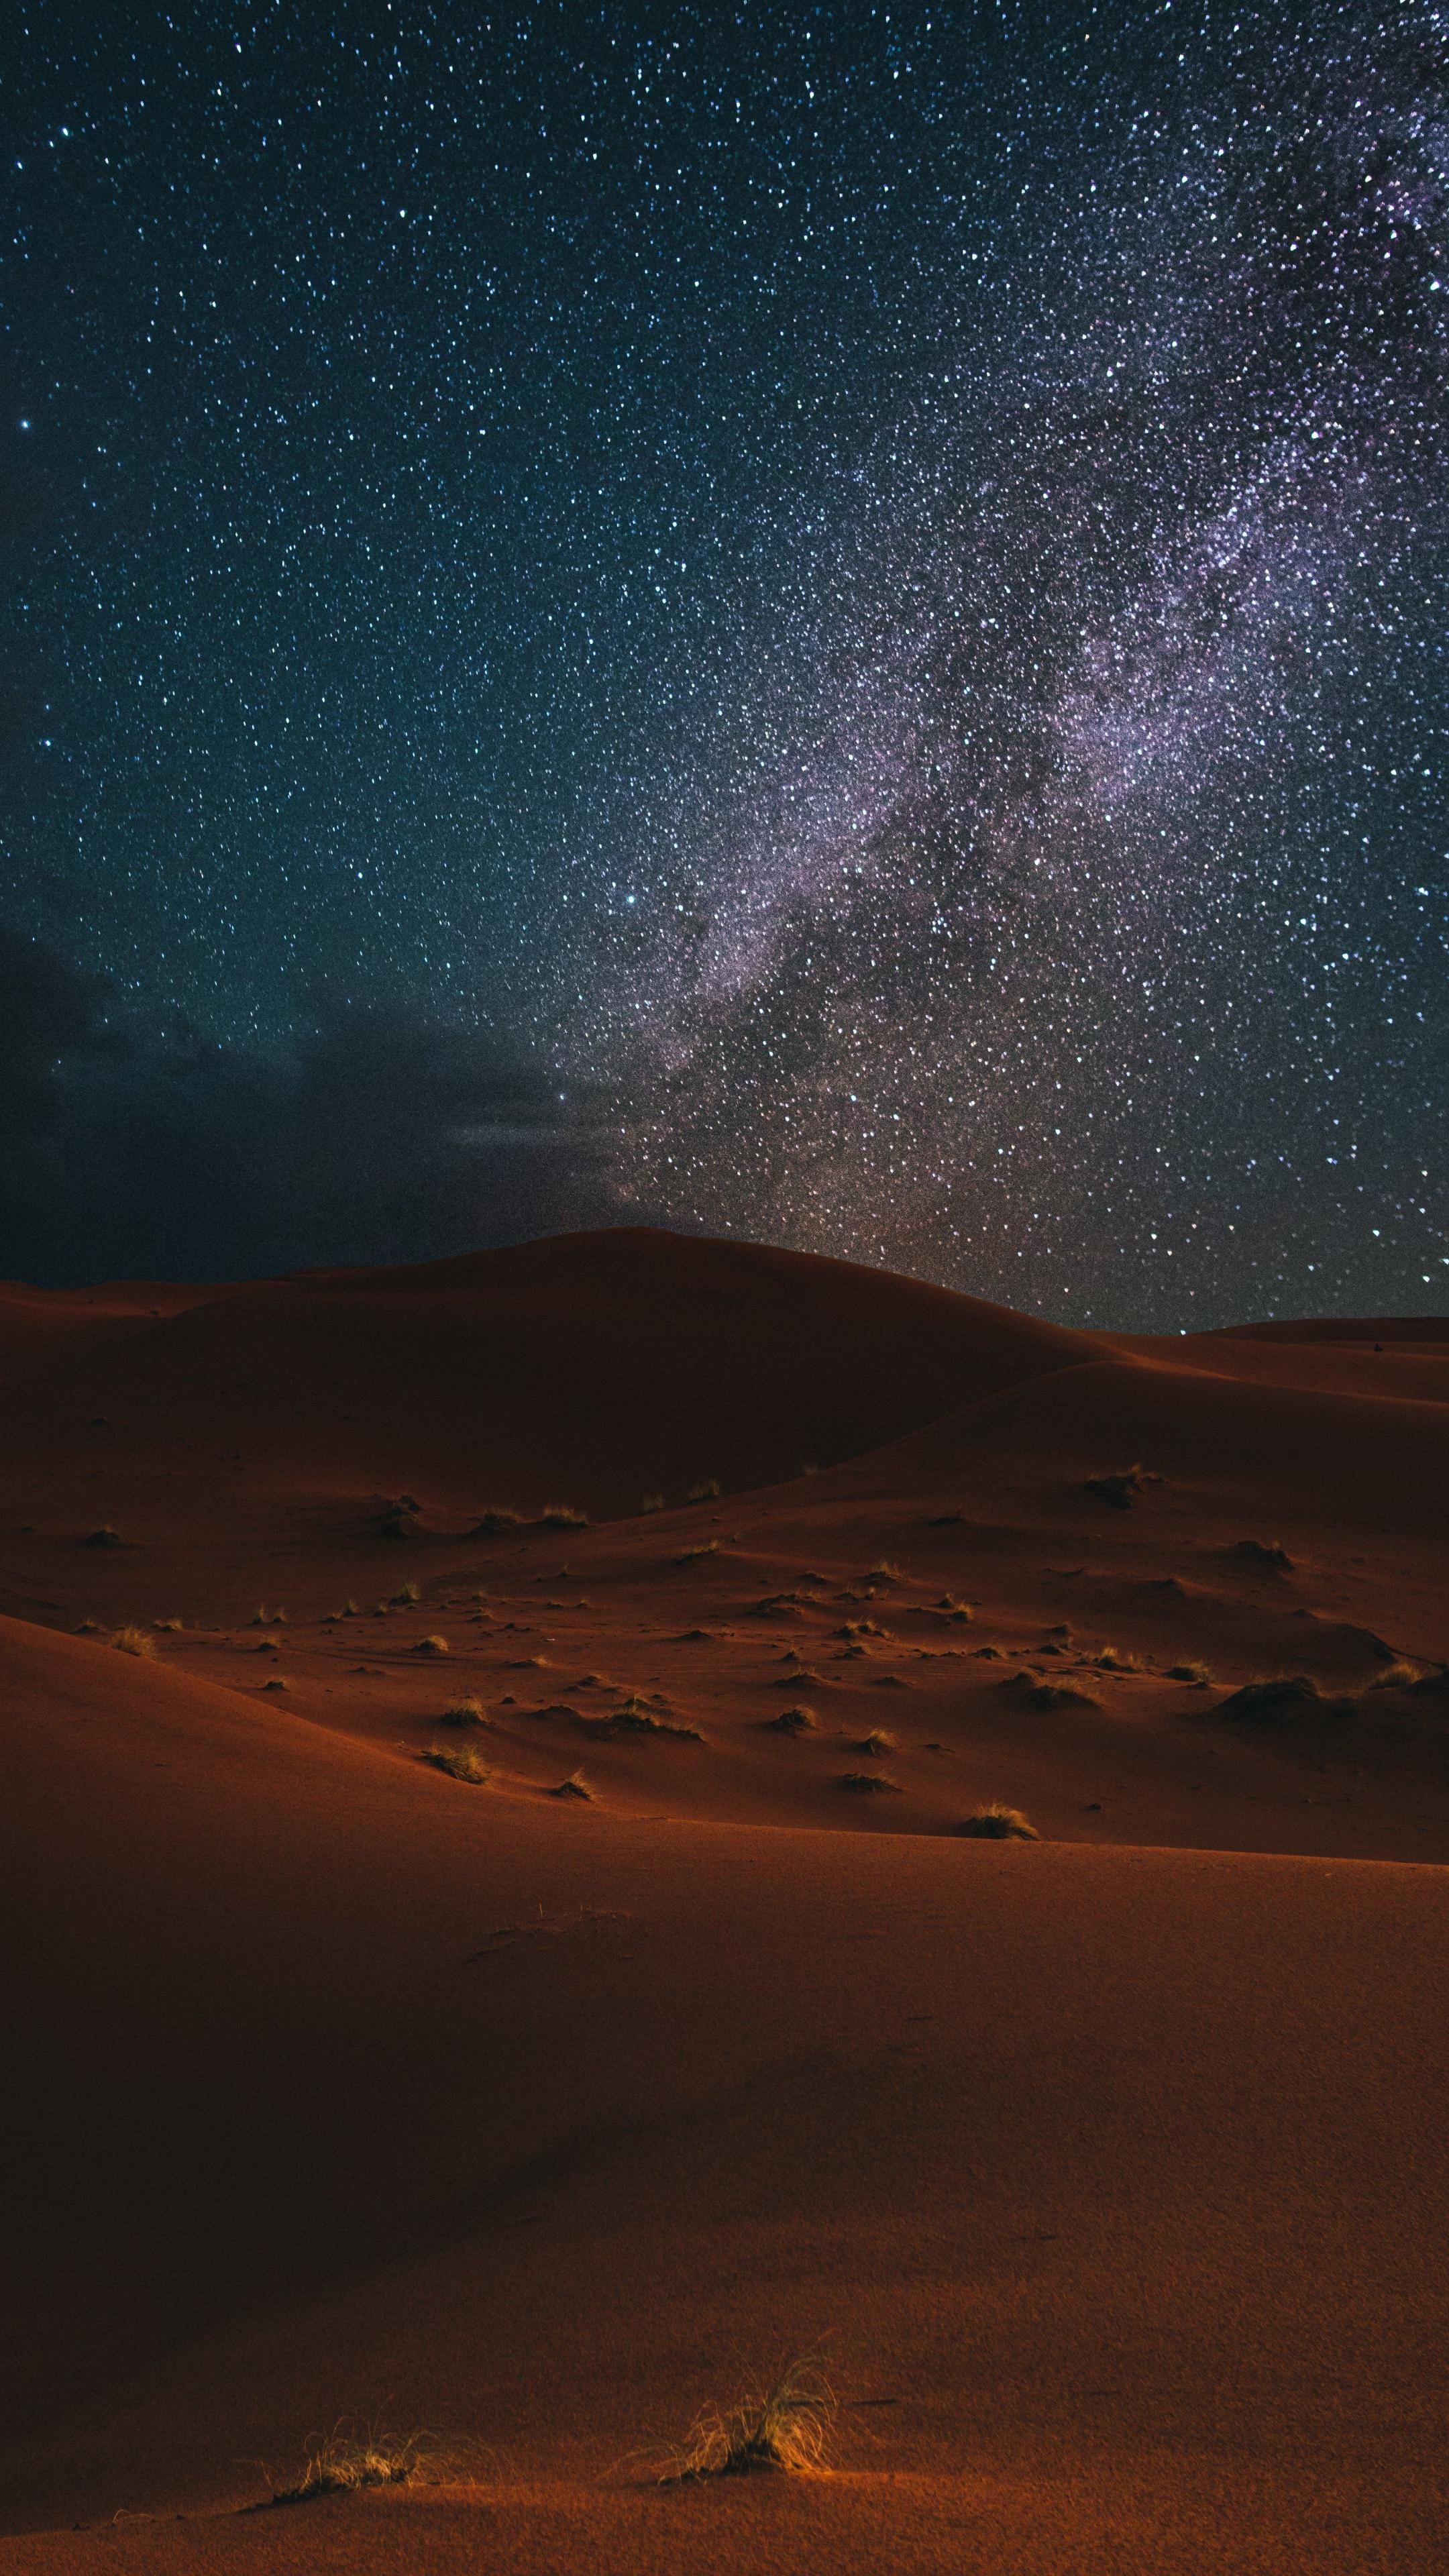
x=495, y=1525
x=167, y=1627
x=1000, y=1825
x=575, y=1786
x=399, y=1519
x=262, y=1617
x=691, y=1555
x=462, y=1712
x=1043, y=1694
x=562, y=1516
x=651, y=1502
x=460, y=1762
x=1398, y=1676
x=786, y=2426
x=1122, y=1488
x=875, y=1744
x=1199, y=1674
x=431, y=1646
x=1112, y=1660
x=884, y=1572
x=864, y=1783
x=134, y=1641
x=792, y=1721
x=1266, y=1553
x=707, y=1491
x=347, y=2460
x=1280, y=1699
x=408, y=1598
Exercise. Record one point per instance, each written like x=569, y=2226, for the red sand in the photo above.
x=1106, y=2172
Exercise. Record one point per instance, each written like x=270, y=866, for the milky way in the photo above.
x=861, y=595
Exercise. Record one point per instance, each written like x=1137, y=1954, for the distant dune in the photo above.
x=1101, y=2173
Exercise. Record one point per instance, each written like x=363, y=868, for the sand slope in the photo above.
x=1107, y=2171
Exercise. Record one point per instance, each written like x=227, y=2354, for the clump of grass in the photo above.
x=876, y=1743
x=1040, y=1694
x=462, y=1712
x=884, y=1572
x=431, y=1646
x=134, y=1641
x=863, y=1784
x=1398, y=1676
x=651, y=1502
x=809, y=1467
x=105, y=1536
x=575, y=1786
x=262, y=1617
x=1264, y=1552
x=167, y=1627
x=691, y=1555
x=786, y=2426
x=562, y=1516
x=1199, y=1674
x=999, y=1825
x=460, y=1762
x=347, y=2460
x=408, y=1598
x=1112, y=1660
x=1280, y=1699
x=1122, y=1488
x=792, y=1721
x=707, y=1491
x=495, y=1525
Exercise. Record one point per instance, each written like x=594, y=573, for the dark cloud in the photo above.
x=374, y=1137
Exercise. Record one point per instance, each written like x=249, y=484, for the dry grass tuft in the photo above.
x=1266, y=1553
x=562, y=1516
x=1200, y=1674
x=707, y=1491
x=862, y=1783
x=407, y=1599
x=1398, y=1676
x=460, y=1762
x=786, y=2426
x=167, y=1627
x=692, y=1555
x=262, y=1617
x=463, y=1712
x=875, y=1744
x=134, y=1641
x=1122, y=1488
x=1279, y=1700
x=575, y=1786
x=431, y=1646
x=792, y=1721
x=1112, y=1660
x=651, y=1502
x=348, y=2460
x=884, y=1572
x=999, y=1825
x=495, y=1525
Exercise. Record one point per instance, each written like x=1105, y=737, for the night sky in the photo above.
x=826, y=624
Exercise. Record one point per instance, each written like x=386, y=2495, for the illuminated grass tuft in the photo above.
x=787, y=2426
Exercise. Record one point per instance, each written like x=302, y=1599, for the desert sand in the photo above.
x=1102, y=2176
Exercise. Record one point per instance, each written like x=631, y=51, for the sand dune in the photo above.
x=1104, y=2171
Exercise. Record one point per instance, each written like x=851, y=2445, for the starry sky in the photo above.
x=825, y=624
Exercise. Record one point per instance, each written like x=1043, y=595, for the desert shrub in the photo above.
x=347, y=2460
x=463, y=1712
x=1257, y=1551
x=864, y=1783
x=1280, y=1700
x=786, y=2426
x=431, y=1646
x=575, y=1786
x=999, y=1825
x=562, y=1516
x=1201, y=1674
x=134, y=1641
x=1112, y=1660
x=707, y=1491
x=460, y=1762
